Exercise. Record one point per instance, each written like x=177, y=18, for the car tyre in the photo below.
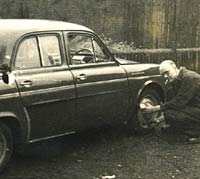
x=6, y=145
x=141, y=122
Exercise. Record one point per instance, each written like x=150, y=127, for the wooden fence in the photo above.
x=188, y=57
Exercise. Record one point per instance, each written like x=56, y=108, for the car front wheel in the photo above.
x=143, y=122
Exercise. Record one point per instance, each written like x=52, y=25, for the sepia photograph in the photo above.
x=99, y=89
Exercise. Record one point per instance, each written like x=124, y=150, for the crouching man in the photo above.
x=182, y=113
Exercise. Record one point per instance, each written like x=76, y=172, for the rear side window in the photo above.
x=28, y=54
x=38, y=51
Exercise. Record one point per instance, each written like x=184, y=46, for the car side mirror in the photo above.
x=4, y=69
x=5, y=78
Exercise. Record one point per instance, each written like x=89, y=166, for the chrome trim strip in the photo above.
x=53, y=89
x=141, y=77
x=136, y=73
x=102, y=82
x=50, y=137
x=4, y=96
x=138, y=77
x=91, y=65
x=100, y=93
x=29, y=124
x=52, y=101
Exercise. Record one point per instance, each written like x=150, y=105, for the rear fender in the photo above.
x=11, y=120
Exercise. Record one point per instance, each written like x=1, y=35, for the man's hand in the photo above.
x=148, y=108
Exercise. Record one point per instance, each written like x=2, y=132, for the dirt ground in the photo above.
x=106, y=153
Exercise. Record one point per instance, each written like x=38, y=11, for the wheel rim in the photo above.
x=3, y=147
x=145, y=119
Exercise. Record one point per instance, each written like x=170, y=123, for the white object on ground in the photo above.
x=108, y=177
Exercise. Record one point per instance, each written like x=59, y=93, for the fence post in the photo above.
x=174, y=45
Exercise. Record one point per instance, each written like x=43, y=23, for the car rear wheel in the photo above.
x=6, y=145
x=143, y=122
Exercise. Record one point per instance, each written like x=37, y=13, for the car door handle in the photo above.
x=81, y=77
x=26, y=83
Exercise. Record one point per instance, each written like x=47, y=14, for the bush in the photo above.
x=118, y=47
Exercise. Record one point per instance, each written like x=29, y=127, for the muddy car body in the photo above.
x=59, y=78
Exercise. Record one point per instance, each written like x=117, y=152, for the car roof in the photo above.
x=32, y=25
x=12, y=29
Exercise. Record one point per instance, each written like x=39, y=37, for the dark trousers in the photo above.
x=185, y=120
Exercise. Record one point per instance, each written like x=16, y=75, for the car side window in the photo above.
x=50, y=51
x=38, y=51
x=28, y=54
x=80, y=49
x=84, y=49
x=99, y=53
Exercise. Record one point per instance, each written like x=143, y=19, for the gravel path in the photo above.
x=107, y=153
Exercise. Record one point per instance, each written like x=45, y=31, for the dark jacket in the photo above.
x=187, y=92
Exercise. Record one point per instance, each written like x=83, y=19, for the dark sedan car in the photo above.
x=59, y=78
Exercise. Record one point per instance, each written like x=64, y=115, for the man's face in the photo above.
x=169, y=72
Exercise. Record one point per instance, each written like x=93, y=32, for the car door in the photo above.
x=46, y=85
x=101, y=83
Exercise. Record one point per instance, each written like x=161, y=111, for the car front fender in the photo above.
x=155, y=84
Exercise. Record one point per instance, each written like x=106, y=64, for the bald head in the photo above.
x=169, y=70
x=166, y=65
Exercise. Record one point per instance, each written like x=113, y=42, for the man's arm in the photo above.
x=150, y=109
x=186, y=92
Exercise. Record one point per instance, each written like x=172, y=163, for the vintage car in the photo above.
x=58, y=78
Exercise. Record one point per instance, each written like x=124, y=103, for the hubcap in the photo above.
x=145, y=119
